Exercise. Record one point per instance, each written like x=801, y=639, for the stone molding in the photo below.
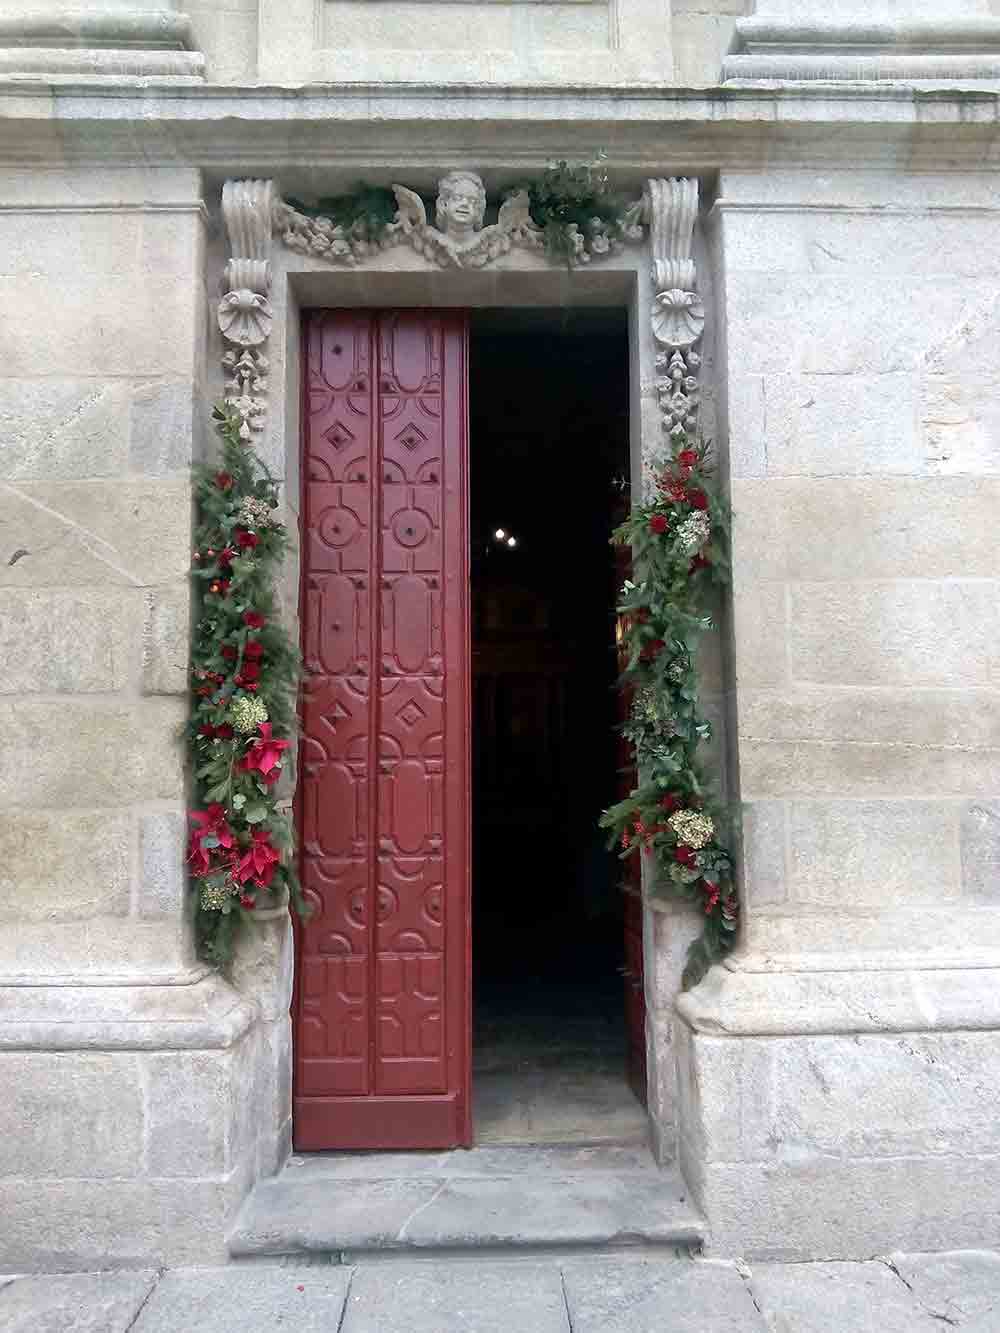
x=734, y=1002
x=859, y=50
x=244, y=313
x=140, y=42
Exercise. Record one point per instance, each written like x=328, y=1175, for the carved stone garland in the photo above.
x=245, y=316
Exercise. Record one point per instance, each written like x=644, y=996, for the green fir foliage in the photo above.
x=245, y=673
x=366, y=211
x=574, y=204
x=679, y=544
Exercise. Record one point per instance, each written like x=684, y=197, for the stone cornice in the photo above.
x=270, y=130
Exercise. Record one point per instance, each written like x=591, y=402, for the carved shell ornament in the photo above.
x=245, y=317
x=678, y=318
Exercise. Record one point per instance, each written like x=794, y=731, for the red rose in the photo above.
x=224, y=732
x=206, y=729
x=204, y=691
x=655, y=647
x=711, y=892
x=641, y=615
x=684, y=855
x=224, y=481
x=253, y=650
x=246, y=541
x=254, y=620
x=220, y=586
x=698, y=499
x=670, y=803
x=687, y=458
x=226, y=555
x=658, y=524
x=250, y=685
x=251, y=670
x=228, y=652
x=699, y=562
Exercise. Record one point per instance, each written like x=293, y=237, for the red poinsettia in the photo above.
x=246, y=541
x=697, y=499
x=265, y=752
x=254, y=620
x=687, y=459
x=224, y=481
x=224, y=732
x=658, y=524
x=670, y=803
x=259, y=860
x=685, y=856
x=210, y=823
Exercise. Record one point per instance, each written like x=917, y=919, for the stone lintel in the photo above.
x=733, y=1001
x=206, y=1014
x=64, y=42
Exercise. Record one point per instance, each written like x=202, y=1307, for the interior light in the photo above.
x=500, y=534
x=511, y=541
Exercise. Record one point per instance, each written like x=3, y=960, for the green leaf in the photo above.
x=255, y=812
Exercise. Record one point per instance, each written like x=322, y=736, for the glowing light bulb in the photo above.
x=500, y=534
x=511, y=541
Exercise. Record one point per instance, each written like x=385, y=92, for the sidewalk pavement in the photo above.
x=605, y=1293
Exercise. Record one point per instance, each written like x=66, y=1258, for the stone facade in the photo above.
x=845, y=250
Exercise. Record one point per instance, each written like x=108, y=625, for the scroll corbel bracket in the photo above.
x=244, y=313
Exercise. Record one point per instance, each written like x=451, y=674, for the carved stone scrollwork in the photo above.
x=245, y=316
x=678, y=317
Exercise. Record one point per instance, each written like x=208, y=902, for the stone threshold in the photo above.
x=490, y=1200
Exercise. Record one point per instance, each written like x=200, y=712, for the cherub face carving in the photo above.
x=461, y=204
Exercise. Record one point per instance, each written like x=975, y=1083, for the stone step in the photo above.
x=517, y=1199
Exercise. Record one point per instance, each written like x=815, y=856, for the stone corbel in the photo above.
x=245, y=315
x=678, y=312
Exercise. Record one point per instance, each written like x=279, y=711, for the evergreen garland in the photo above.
x=679, y=544
x=577, y=210
x=245, y=676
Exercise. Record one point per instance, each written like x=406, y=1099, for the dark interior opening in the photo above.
x=549, y=470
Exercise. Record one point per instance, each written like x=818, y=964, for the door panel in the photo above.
x=382, y=1003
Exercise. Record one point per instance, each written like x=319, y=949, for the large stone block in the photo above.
x=760, y=631
x=876, y=854
x=66, y=642
x=191, y=1105
x=73, y=753
x=764, y=853
x=80, y=1302
x=813, y=1298
x=70, y=1114
x=244, y=1299
x=161, y=427
x=827, y=528
x=912, y=633
x=101, y=948
x=166, y=640
x=163, y=886
x=63, y=429
x=86, y=1225
x=980, y=836
x=121, y=532
x=64, y=866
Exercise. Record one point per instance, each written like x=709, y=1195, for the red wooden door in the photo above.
x=382, y=1026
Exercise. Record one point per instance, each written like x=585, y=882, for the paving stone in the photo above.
x=658, y=1296
x=962, y=1287
x=74, y=1303
x=822, y=1297
x=247, y=1299
x=469, y=1163
x=461, y=1298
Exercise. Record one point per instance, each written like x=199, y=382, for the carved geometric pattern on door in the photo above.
x=382, y=983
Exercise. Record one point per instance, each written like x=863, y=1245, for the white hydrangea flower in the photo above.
x=692, y=828
x=694, y=532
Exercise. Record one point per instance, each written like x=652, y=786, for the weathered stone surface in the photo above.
x=764, y=841
x=70, y=1114
x=190, y=1106
x=247, y=1299
x=980, y=834
x=814, y=1298
x=961, y=1289
x=76, y=1225
x=63, y=866
x=872, y=853
x=133, y=532
x=80, y=754
x=760, y=627
x=299, y=1211
x=56, y=430
x=161, y=427
x=163, y=885
x=631, y=1296
x=480, y=1298
x=98, y=950
x=75, y=1303
x=925, y=633
x=166, y=640
x=56, y=641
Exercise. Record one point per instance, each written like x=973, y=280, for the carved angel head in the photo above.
x=461, y=203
